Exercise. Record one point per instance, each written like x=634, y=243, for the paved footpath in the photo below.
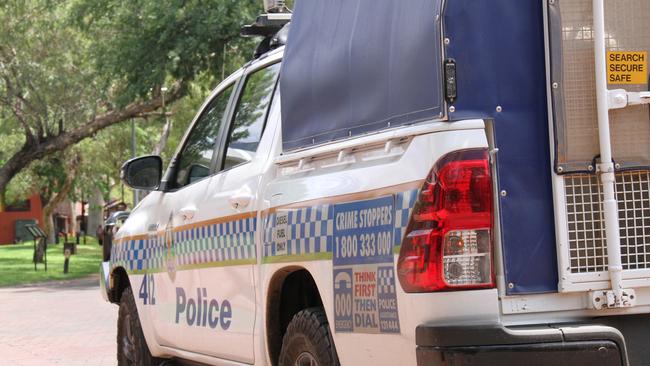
x=62, y=323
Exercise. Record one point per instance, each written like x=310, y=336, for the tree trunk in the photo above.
x=35, y=149
x=95, y=214
x=164, y=136
x=49, y=229
x=61, y=195
x=9, y=170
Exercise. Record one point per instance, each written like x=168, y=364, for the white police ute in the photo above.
x=404, y=183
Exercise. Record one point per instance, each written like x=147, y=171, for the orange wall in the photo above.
x=8, y=219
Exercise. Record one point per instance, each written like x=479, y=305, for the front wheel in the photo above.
x=132, y=348
x=308, y=341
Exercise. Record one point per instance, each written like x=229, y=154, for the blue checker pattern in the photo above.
x=385, y=280
x=404, y=203
x=136, y=255
x=308, y=230
x=227, y=241
x=311, y=229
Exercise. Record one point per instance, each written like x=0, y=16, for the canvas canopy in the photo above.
x=352, y=67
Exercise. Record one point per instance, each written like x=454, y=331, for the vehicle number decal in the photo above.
x=364, y=275
x=148, y=290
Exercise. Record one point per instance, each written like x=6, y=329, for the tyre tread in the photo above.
x=313, y=324
x=128, y=306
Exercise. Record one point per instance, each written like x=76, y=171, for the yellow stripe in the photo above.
x=229, y=263
x=298, y=258
x=375, y=193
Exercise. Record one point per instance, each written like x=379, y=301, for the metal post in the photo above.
x=223, y=62
x=136, y=193
x=163, y=90
x=84, y=221
x=606, y=166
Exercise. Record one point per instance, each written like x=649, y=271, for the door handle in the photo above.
x=187, y=213
x=241, y=199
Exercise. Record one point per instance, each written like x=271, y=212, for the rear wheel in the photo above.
x=308, y=341
x=132, y=348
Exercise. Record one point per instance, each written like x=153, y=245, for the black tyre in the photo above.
x=308, y=341
x=132, y=348
x=106, y=247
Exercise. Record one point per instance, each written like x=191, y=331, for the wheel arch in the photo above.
x=119, y=280
x=290, y=290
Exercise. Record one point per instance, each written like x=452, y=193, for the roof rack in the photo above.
x=273, y=27
x=266, y=25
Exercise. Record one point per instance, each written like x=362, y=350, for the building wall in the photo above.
x=8, y=219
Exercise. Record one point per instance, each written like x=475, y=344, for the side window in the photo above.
x=195, y=159
x=250, y=116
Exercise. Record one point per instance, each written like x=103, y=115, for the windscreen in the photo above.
x=356, y=66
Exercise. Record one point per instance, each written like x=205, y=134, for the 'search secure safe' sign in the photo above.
x=624, y=67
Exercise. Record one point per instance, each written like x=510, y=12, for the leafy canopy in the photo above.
x=142, y=44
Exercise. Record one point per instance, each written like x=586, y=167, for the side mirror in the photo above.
x=144, y=172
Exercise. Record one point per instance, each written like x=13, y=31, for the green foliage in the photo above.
x=46, y=81
x=63, y=62
x=141, y=45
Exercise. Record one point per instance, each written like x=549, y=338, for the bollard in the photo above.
x=67, y=253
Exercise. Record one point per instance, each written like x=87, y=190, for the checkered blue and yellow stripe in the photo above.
x=309, y=232
x=404, y=203
x=221, y=243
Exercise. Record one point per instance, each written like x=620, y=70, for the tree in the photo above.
x=69, y=172
x=69, y=70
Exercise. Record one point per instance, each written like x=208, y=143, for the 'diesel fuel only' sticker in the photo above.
x=364, y=274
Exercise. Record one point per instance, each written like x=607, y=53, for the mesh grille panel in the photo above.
x=587, y=248
x=627, y=29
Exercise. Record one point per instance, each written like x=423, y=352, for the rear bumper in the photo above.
x=498, y=345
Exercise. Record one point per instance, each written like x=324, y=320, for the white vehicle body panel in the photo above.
x=383, y=164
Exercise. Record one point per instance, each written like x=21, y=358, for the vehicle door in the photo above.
x=171, y=292
x=213, y=295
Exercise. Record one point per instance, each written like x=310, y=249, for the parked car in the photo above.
x=111, y=226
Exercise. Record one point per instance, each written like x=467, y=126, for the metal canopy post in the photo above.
x=617, y=297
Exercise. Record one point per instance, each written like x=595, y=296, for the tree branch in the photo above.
x=28, y=154
x=17, y=112
x=62, y=194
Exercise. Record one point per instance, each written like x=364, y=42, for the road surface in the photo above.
x=63, y=323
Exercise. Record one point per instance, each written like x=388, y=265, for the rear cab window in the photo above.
x=195, y=159
x=250, y=116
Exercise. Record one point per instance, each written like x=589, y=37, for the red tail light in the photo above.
x=448, y=241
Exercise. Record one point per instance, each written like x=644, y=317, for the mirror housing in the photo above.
x=144, y=172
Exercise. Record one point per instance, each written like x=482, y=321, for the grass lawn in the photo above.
x=16, y=266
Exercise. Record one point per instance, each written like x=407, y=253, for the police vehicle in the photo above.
x=426, y=182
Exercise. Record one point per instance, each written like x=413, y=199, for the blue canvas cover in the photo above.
x=499, y=49
x=356, y=66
